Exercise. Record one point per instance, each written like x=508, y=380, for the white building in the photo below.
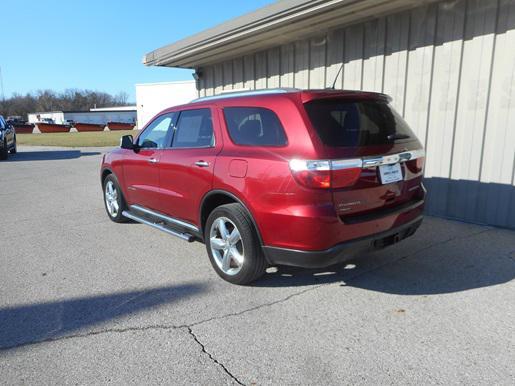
x=449, y=66
x=125, y=114
x=151, y=98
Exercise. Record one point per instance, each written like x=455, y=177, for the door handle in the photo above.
x=202, y=164
x=153, y=160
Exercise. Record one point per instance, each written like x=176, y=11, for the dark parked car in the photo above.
x=305, y=178
x=7, y=139
x=16, y=120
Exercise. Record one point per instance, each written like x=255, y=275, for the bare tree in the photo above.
x=70, y=99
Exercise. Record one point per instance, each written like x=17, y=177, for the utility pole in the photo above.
x=2, y=84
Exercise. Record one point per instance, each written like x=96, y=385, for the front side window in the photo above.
x=254, y=126
x=156, y=133
x=194, y=129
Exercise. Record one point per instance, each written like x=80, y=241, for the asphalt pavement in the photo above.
x=86, y=301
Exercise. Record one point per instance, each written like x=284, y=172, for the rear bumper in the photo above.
x=341, y=252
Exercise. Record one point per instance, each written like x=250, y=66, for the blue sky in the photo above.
x=98, y=45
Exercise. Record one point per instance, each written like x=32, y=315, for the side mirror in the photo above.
x=127, y=142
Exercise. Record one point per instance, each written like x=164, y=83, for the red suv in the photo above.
x=307, y=178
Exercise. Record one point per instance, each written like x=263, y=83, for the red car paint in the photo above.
x=286, y=213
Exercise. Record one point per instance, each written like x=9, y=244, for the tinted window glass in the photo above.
x=156, y=132
x=362, y=123
x=194, y=129
x=2, y=123
x=254, y=126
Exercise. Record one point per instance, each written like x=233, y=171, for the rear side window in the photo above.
x=354, y=124
x=254, y=126
x=194, y=129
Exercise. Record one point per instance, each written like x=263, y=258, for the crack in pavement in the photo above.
x=220, y=364
x=137, y=329
x=155, y=326
x=421, y=250
x=269, y=304
x=285, y=299
x=358, y=275
x=91, y=333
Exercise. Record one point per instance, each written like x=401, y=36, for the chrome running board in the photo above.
x=184, y=236
x=167, y=219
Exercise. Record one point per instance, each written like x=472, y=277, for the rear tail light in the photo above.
x=417, y=161
x=416, y=165
x=312, y=174
x=325, y=174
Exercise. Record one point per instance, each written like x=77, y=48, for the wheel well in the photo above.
x=218, y=198
x=105, y=173
x=210, y=203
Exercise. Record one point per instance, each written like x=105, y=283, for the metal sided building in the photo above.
x=449, y=66
x=125, y=114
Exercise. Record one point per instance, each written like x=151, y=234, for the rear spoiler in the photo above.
x=346, y=95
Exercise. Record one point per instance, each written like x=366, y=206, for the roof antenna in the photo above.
x=337, y=75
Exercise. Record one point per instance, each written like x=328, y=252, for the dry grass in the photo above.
x=87, y=139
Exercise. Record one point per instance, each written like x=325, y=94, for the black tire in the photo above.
x=120, y=200
x=4, y=153
x=14, y=150
x=254, y=263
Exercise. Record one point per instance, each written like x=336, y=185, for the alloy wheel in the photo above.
x=111, y=198
x=226, y=246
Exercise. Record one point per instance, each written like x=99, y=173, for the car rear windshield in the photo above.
x=340, y=122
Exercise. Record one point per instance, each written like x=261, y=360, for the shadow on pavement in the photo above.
x=50, y=155
x=21, y=325
x=441, y=269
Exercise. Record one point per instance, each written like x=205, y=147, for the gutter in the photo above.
x=155, y=58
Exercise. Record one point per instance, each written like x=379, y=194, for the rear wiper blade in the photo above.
x=393, y=137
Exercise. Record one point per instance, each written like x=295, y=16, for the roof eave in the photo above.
x=291, y=22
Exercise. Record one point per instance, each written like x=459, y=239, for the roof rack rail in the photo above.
x=237, y=93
